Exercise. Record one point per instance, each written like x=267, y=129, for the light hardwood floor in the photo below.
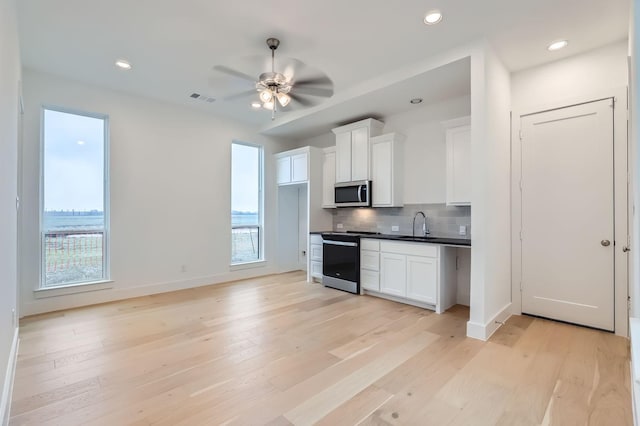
x=279, y=351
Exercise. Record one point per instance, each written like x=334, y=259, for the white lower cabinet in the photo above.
x=393, y=274
x=414, y=273
x=422, y=279
x=370, y=280
x=315, y=256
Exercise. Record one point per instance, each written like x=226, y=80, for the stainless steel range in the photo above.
x=341, y=261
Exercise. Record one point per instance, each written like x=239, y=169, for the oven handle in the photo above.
x=340, y=243
x=360, y=193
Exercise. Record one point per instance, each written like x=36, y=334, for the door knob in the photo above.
x=626, y=249
x=605, y=243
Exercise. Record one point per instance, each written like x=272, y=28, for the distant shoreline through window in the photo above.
x=246, y=203
x=74, y=214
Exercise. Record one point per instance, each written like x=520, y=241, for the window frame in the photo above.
x=80, y=286
x=261, y=226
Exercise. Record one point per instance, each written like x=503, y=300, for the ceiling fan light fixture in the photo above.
x=266, y=96
x=283, y=99
x=268, y=105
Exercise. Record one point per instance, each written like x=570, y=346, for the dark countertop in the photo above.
x=464, y=242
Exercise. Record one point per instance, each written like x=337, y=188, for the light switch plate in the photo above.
x=463, y=230
x=339, y=226
x=395, y=228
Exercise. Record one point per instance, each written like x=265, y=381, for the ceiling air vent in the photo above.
x=203, y=98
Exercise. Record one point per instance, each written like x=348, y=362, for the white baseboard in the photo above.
x=57, y=303
x=7, y=391
x=484, y=331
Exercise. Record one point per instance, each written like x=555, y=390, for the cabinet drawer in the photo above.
x=369, y=244
x=370, y=260
x=369, y=280
x=411, y=249
x=316, y=269
x=316, y=252
x=315, y=239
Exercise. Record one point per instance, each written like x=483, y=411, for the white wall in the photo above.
x=9, y=81
x=424, y=148
x=170, y=192
x=490, y=298
x=592, y=72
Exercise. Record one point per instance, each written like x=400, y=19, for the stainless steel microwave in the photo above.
x=353, y=194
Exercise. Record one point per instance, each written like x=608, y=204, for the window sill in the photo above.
x=63, y=290
x=247, y=265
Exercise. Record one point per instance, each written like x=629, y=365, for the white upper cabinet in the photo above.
x=293, y=167
x=387, y=158
x=360, y=154
x=458, y=162
x=343, y=157
x=299, y=169
x=329, y=177
x=284, y=170
x=353, y=149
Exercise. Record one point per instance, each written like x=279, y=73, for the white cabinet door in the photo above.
x=370, y=260
x=343, y=157
x=382, y=173
x=316, y=269
x=360, y=154
x=284, y=170
x=329, y=180
x=422, y=279
x=316, y=252
x=370, y=280
x=459, y=166
x=299, y=172
x=393, y=278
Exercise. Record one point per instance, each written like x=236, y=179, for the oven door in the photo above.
x=340, y=260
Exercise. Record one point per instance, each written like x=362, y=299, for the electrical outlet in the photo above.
x=463, y=230
x=395, y=228
x=183, y=268
x=339, y=226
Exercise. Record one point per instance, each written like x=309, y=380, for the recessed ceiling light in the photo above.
x=416, y=101
x=433, y=17
x=80, y=142
x=123, y=64
x=557, y=45
x=256, y=105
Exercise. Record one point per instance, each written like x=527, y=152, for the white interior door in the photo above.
x=568, y=214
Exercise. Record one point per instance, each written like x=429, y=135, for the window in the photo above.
x=246, y=203
x=74, y=215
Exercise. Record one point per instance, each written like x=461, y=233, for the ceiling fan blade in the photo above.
x=234, y=73
x=322, y=80
x=239, y=95
x=313, y=91
x=301, y=100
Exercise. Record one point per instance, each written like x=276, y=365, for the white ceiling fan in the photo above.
x=295, y=85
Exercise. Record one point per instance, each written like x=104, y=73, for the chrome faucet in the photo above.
x=425, y=232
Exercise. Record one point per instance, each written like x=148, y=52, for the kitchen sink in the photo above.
x=409, y=237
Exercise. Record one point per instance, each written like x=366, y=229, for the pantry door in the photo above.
x=567, y=234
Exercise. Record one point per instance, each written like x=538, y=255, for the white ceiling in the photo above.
x=174, y=45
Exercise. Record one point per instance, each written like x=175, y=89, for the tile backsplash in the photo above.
x=442, y=220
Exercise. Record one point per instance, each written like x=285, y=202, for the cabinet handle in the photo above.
x=605, y=243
